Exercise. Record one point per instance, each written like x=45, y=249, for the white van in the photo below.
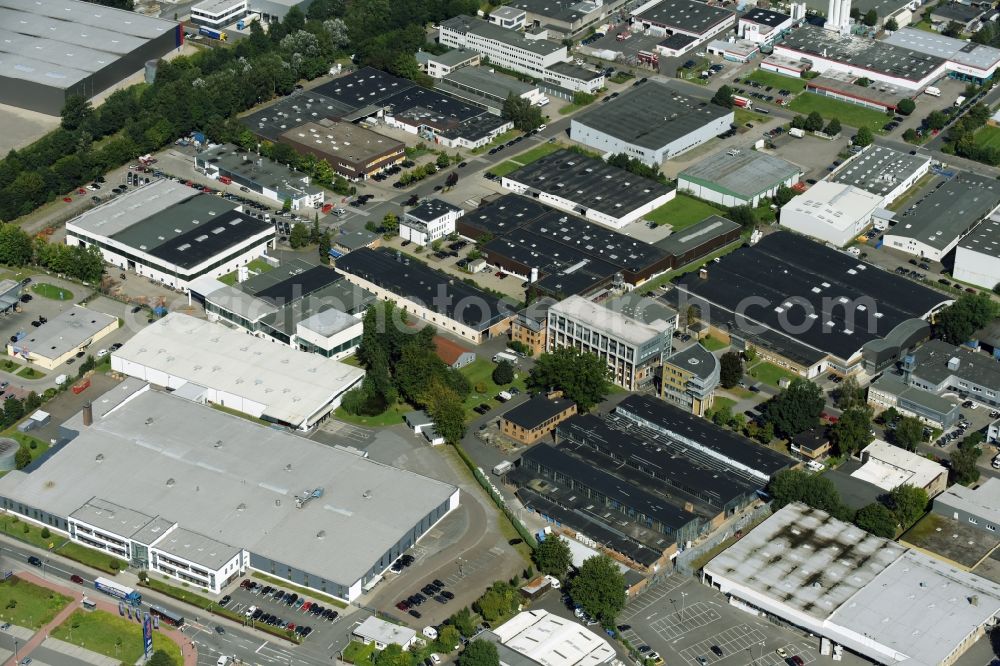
x=815, y=466
x=996, y=462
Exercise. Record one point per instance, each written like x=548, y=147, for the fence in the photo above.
x=688, y=561
x=497, y=497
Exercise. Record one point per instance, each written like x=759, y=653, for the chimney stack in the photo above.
x=88, y=413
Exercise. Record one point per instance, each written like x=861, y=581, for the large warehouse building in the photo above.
x=50, y=50
x=738, y=177
x=172, y=233
x=651, y=122
x=867, y=594
x=977, y=257
x=203, y=497
x=211, y=363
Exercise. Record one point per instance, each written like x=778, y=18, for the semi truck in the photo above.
x=123, y=592
x=212, y=32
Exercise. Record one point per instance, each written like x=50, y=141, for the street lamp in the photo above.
x=683, y=596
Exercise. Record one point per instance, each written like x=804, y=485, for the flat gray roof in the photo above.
x=216, y=6
x=481, y=79
x=894, y=384
x=132, y=207
x=262, y=170
x=713, y=226
x=949, y=48
x=862, y=53
x=746, y=173
x=932, y=364
x=879, y=170
x=342, y=140
x=234, y=481
x=641, y=307
x=687, y=15
x=328, y=322
x=695, y=359
x=467, y=24
x=450, y=58
x=806, y=559
x=431, y=209
x=651, y=115
x=984, y=238
x=66, y=331
x=112, y=517
x=574, y=71
x=198, y=548
x=983, y=501
x=950, y=210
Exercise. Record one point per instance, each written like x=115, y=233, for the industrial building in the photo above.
x=474, y=132
x=538, y=417
x=440, y=65
x=763, y=26
x=866, y=594
x=429, y=296
x=699, y=240
x=204, y=497
x=589, y=187
x=58, y=340
x=307, y=307
x=530, y=326
x=633, y=347
x=738, y=177
x=429, y=221
x=965, y=60
x=883, y=171
x=546, y=638
x=939, y=367
x=352, y=151
x=888, y=467
x=566, y=18
x=172, y=233
x=890, y=390
x=54, y=49
x=820, y=309
x=934, y=225
x=488, y=88
x=831, y=212
x=686, y=17
x=977, y=256
x=979, y=507
x=689, y=378
x=650, y=122
x=210, y=363
x=275, y=181
x=218, y=14
x=272, y=11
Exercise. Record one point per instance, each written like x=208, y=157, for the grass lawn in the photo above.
x=713, y=344
x=9, y=366
x=527, y=157
x=13, y=527
x=682, y=212
x=721, y=402
x=30, y=373
x=778, y=81
x=739, y=392
x=480, y=372
x=112, y=636
x=255, y=266
x=46, y=290
x=769, y=373
x=301, y=590
x=621, y=77
x=28, y=605
x=90, y=557
x=357, y=652
x=389, y=417
x=35, y=446
x=988, y=137
x=743, y=116
x=352, y=361
x=848, y=114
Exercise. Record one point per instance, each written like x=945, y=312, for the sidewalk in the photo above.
x=187, y=647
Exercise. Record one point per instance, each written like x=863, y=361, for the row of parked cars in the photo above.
x=290, y=599
x=433, y=590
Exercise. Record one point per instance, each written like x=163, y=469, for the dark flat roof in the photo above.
x=589, y=182
x=434, y=290
x=678, y=40
x=651, y=115
x=950, y=210
x=852, y=302
x=729, y=445
x=364, y=87
x=430, y=107
x=765, y=17
x=197, y=245
x=296, y=285
x=673, y=517
x=287, y=113
x=712, y=227
x=536, y=411
x=474, y=129
x=508, y=212
x=688, y=15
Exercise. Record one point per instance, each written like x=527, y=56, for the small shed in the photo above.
x=382, y=634
x=433, y=436
x=418, y=421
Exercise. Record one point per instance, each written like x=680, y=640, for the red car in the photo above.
x=403, y=606
x=306, y=606
x=67, y=199
x=76, y=579
x=327, y=208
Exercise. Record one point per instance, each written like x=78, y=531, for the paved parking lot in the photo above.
x=243, y=599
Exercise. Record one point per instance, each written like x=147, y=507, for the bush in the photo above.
x=45, y=533
x=906, y=106
x=503, y=373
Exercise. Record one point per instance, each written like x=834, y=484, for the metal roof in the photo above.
x=879, y=170
x=65, y=332
x=984, y=238
x=941, y=217
x=959, y=51
x=132, y=207
x=686, y=15
x=745, y=173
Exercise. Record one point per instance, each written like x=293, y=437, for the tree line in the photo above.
x=17, y=248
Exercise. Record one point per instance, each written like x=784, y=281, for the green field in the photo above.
x=357, y=652
x=851, y=115
x=988, y=137
x=480, y=371
x=255, y=266
x=112, y=636
x=14, y=527
x=391, y=416
x=778, y=81
x=90, y=557
x=713, y=344
x=527, y=157
x=721, y=402
x=682, y=212
x=741, y=117
x=28, y=605
x=46, y=290
x=769, y=373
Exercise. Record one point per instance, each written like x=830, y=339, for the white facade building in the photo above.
x=830, y=212
x=218, y=13
x=977, y=258
x=503, y=47
x=763, y=26
x=431, y=220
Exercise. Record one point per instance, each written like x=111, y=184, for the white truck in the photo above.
x=503, y=467
x=797, y=132
x=960, y=101
x=932, y=91
x=504, y=356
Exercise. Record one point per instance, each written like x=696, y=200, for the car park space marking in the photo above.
x=351, y=432
x=693, y=617
x=732, y=641
x=653, y=594
x=772, y=658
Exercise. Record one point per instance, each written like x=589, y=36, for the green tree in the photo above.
x=161, y=658
x=392, y=655
x=45, y=533
x=750, y=353
x=964, y=470
x=390, y=224
x=815, y=490
x=814, y=122
x=955, y=324
x=891, y=25
x=953, y=29
x=479, y=653
x=723, y=97
x=445, y=407
x=499, y=601
x=797, y=408
x=871, y=18
x=287, y=205
x=76, y=112
x=908, y=503
x=906, y=106
x=936, y=120
x=582, y=377
x=464, y=621
x=299, y=236
x=850, y=394
x=852, y=432
x=908, y=433
x=22, y=458
x=325, y=244
x=448, y=638
x=553, y=556
x=442, y=161
x=863, y=137
x=833, y=127
x=877, y=520
x=599, y=588
x=504, y=373
x=525, y=115
x=742, y=215
x=783, y=195
x=731, y=369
